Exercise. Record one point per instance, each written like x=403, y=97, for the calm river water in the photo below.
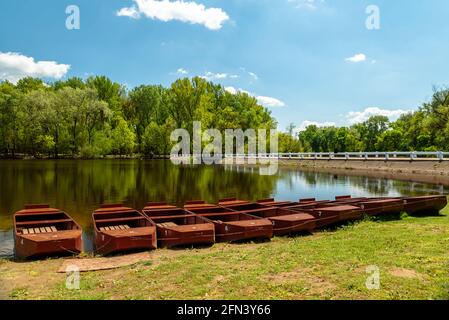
x=79, y=187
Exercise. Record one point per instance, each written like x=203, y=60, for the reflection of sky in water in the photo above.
x=80, y=187
x=6, y=244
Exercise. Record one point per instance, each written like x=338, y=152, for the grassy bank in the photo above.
x=411, y=254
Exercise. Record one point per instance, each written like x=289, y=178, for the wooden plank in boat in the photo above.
x=37, y=230
x=25, y=231
x=53, y=228
x=168, y=224
x=48, y=229
x=43, y=230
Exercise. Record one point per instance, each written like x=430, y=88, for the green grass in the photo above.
x=411, y=253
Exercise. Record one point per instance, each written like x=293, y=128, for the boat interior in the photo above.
x=38, y=219
x=171, y=216
x=216, y=213
x=117, y=217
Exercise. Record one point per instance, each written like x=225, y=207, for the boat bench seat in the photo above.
x=112, y=228
x=39, y=230
x=167, y=224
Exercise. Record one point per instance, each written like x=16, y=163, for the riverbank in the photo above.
x=427, y=171
x=330, y=264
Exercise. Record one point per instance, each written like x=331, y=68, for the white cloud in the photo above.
x=361, y=116
x=182, y=71
x=303, y=126
x=360, y=57
x=214, y=76
x=253, y=75
x=165, y=10
x=306, y=4
x=130, y=12
x=15, y=66
x=270, y=101
x=263, y=100
x=231, y=90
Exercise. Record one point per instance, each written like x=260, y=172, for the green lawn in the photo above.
x=412, y=255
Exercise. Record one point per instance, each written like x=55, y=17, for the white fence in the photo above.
x=412, y=156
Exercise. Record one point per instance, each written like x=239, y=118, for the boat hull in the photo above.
x=293, y=223
x=182, y=236
x=243, y=230
x=51, y=244
x=382, y=207
x=135, y=239
x=425, y=205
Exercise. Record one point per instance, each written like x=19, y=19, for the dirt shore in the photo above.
x=428, y=171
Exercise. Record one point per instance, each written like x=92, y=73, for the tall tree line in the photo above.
x=98, y=117
x=426, y=129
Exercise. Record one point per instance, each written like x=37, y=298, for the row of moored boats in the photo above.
x=43, y=231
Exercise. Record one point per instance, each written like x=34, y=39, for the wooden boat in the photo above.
x=373, y=206
x=43, y=231
x=284, y=221
x=119, y=229
x=176, y=226
x=325, y=212
x=425, y=205
x=231, y=225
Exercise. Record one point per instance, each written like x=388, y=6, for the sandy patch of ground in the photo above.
x=315, y=284
x=406, y=273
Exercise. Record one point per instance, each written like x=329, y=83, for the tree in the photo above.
x=156, y=139
x=123, y=137
x=111, y=92
x=146, y=105
x=74, y=83
x=389, y=140
x=9, y=118
x=370, y=130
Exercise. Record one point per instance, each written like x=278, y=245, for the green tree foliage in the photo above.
x=97, y=117
x=427, y=129
x=123, y=138
x=156, y=139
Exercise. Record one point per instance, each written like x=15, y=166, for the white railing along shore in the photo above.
x=412, y=156
x=386, y=156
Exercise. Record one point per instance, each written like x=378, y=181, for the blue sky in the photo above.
x=294, y=55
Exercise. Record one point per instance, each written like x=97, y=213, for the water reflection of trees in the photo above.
x=80, y=186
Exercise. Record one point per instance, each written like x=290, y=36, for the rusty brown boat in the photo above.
x=176, y=226
x=231, y=225
x=284, y=221
x=41, y=231
x=325, y=212
x=120, y=229
x=432, y=204
x=372, y=206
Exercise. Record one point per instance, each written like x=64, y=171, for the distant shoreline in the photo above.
x=431, y=171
